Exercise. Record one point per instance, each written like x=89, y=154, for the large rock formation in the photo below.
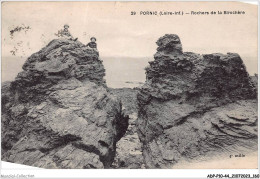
x=58, y=113
x=60, y=59
x=195, y=105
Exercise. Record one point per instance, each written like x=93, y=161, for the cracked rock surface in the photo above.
x=195, y=105
x=58, y=113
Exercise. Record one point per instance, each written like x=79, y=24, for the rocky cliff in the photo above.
x=58, y=113
x=195, y=105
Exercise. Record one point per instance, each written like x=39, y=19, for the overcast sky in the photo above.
x=120, y=34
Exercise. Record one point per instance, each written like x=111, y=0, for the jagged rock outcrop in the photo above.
x=60, y=59
x=195, y=105
x=58, y=113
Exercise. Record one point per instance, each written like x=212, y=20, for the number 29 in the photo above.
x=133, y=13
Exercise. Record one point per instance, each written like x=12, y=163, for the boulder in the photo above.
x=195, y=105
x=58, y=113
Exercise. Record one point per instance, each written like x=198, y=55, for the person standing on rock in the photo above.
x=65, y=33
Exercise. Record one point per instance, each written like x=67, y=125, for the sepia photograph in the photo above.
x=129, y=85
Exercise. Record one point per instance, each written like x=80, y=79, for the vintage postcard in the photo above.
x=130, y=85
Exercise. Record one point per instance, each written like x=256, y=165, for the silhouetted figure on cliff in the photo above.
x=92, y=44
x=65, y=33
